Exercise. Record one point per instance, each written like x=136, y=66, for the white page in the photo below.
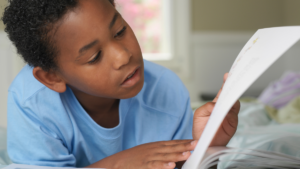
x=21, y=166
x=259, y=53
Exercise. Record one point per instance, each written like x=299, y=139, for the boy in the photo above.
x=87, y=98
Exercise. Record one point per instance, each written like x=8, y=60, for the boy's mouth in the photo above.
x=132, y=78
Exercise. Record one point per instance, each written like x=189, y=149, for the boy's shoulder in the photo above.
x=24, y=86
x=161, y=76
x=163, y=89
x=154, y=72
x=28, y=97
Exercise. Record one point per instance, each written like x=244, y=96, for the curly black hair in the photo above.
x=29, y=24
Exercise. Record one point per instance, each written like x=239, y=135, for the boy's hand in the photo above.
x=156, y=155
x=227, y=128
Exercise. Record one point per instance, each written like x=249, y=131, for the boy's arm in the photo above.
x=162, y=155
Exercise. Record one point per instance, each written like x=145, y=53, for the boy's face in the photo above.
x=98, y=51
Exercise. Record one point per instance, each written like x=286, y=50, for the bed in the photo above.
x=4, y=159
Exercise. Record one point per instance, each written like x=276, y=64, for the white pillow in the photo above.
x=4, y=159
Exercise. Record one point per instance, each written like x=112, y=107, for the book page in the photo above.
x=259, y=53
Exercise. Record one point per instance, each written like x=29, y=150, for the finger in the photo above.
x=160, y=164
x=224, y=80
x=205, y=110
x=235, y=108
x=172, y=142
x=225, y=76
x=178, y=148
x=172, y=157
x=232, y=116
x=162, y=144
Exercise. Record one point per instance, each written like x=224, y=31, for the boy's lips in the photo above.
x=132, y=78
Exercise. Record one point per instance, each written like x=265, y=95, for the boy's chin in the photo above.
x=132, y=93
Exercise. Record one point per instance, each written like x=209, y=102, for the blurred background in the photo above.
x=197, y=39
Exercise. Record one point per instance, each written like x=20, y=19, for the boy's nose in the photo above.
x=120, y=55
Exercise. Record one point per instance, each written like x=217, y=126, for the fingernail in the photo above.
x=169, y=164
x=184, y=153
x=193, y=142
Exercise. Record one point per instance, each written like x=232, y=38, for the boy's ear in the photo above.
x=50, y=79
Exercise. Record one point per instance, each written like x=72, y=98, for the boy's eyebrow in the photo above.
x=88, y=46
x=113, y=21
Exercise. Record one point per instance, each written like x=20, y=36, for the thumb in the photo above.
x=224, y=80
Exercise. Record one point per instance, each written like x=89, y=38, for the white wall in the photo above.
x=213, y=54
x=10, y=65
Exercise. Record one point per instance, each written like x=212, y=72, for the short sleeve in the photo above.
x=177, y=102
x=30, y=141
x=185, y=127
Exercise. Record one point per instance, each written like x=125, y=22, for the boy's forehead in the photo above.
x=88, y=13
x=91, y=17
x=101, y=10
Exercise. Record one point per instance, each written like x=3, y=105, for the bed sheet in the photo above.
x=4, y=159
x=256, y=130
x=256, y=127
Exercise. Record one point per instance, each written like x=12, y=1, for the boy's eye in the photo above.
x=121, y=32
x=95, y=58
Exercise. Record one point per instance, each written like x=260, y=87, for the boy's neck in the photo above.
x=104, y=111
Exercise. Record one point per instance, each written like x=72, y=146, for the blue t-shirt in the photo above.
x=52, y=129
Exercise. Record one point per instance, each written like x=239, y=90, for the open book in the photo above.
x=259, y=53
x=230, y=158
